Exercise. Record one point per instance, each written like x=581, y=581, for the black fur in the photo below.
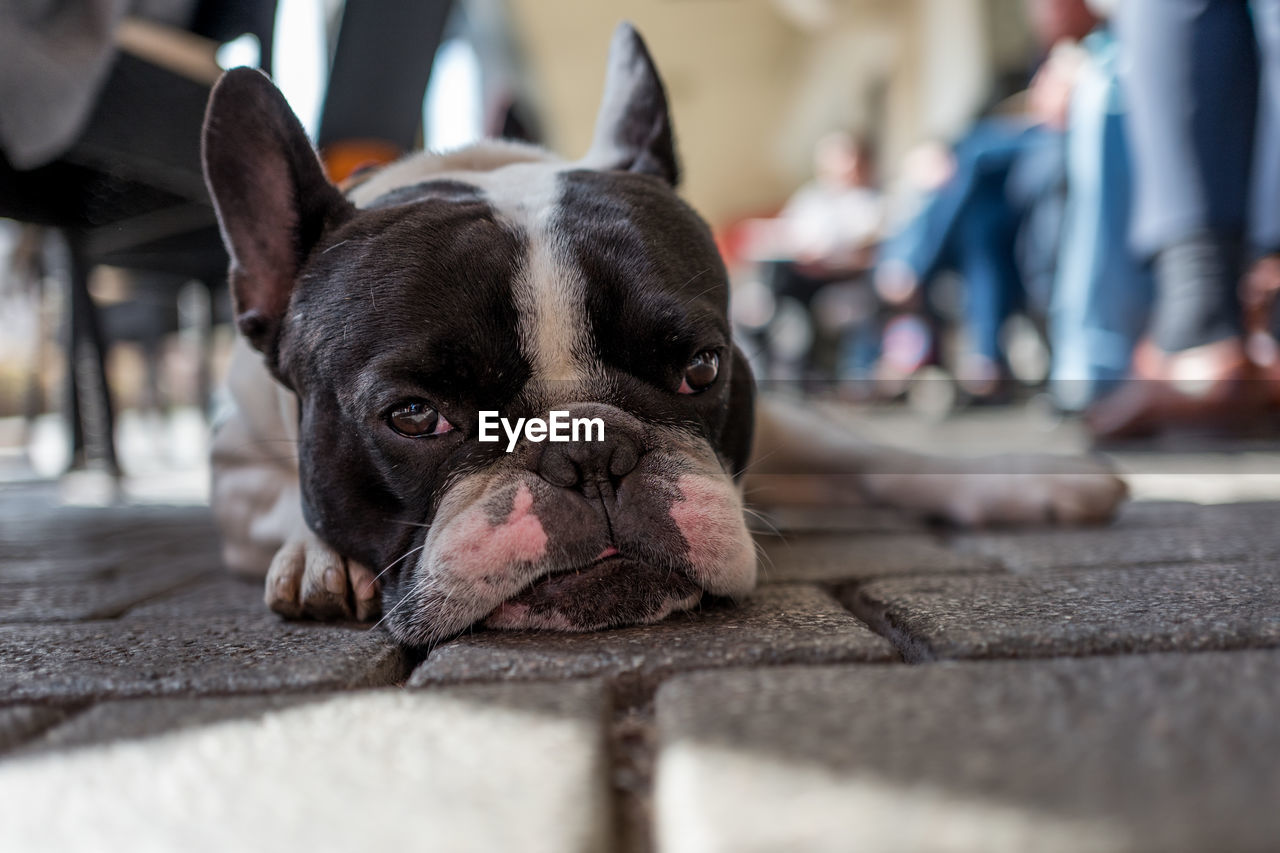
x=273, y=201
x=633, y=131
x=412, y=298
x=658, y=294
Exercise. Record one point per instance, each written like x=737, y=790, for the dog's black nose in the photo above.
x=580, y=463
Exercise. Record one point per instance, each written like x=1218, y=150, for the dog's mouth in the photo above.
x=612, y=590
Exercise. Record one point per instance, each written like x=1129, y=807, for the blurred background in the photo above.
x=985, y=224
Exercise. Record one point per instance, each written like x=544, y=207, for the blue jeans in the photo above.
x=971, y=225
x=1102, y=293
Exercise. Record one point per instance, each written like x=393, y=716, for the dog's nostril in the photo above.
x=625, y=457
x=557, y=468
x=588, y=462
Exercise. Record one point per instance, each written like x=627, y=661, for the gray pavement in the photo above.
x=1155, y=753
x=890, y=687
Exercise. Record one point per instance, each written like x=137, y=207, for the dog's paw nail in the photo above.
x=367, y=593
x=284, y=605
x=368, y=609
x=282, y=596
x=335, y=581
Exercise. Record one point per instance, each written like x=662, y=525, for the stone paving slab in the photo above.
x=1094, y=611
x=92, y=660
x=1149, y=514
x=1141, y=514
x=138, y=719
x=24, y=518
x=1164, y=534
x=104, y=597
x=829, y=558
x=150, y=693
x=495, y=768
x=1262, y=513
x=1160, y=753
x=77, y=545
x=21, y=722
x=75, y=561
x=214, y=596
x=778, y=625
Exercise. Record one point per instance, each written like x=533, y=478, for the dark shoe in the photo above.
x=1213, y=388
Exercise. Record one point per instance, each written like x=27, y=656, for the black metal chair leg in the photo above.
x=89, y=409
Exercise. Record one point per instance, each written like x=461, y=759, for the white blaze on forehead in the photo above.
x=550, y=293
x=466, y=164
x=522, y=185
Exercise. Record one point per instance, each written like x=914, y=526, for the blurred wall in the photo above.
x=753, y=83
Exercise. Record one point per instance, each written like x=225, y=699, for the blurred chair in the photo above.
x=129, y=192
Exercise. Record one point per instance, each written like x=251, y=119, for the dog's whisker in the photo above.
x=763, y=560
x=763, y=519
x=751, y=463
x=390, y=612
x=408, y=523
x=401, y=603
x=700, y=293
x=398, y=560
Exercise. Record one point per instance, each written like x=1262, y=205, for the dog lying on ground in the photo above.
x=384, y=333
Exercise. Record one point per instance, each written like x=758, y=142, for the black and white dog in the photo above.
x=378, y=325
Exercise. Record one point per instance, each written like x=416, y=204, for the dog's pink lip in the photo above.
x=611, y=590
x=608, y=557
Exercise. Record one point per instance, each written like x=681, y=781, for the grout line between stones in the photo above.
x=121, y=611
x=68, y=713
x=632, y=750
x=911, y=649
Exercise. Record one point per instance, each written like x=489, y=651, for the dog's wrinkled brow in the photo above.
x=451, y=376
x=438, y=190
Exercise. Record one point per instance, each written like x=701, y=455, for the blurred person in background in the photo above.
x=1203, y=83
x=820, y=247
x=1101, y=295
x=995, y=215
x=831, y=224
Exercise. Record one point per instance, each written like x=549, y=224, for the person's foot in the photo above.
x=1264, y=353
x=981, y=378
x=1211, y=387
x=1261, y=283
x=1258, y=294
x=896, y=282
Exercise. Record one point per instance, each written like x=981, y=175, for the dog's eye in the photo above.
x=417, y=419
x=700, y=372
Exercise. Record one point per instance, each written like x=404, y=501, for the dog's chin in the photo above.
x=608, y=593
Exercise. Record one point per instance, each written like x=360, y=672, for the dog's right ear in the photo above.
x=633, y=127
x=271, y=195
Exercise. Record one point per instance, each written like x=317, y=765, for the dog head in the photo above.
x=498, y=279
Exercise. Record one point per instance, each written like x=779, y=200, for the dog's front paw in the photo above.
x=1036, y=489
x=308, y=579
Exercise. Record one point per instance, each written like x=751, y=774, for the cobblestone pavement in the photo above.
x=891, y=687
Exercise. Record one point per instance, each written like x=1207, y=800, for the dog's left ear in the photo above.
x=633, y=127
x=271, y=194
